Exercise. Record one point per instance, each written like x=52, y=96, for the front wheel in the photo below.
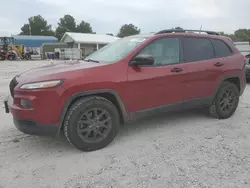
x=226, y=101
x=91, y=123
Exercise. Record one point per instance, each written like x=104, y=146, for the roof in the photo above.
x=33, y=41
x=89, y=38
x=54, y=43
x=243, y=43
x=34, y=37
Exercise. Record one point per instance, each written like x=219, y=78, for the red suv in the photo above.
x=128, y=79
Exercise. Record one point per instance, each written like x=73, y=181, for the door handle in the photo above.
x=177, y=70
x=218, y=64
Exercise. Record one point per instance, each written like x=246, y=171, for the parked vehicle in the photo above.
x=128, y=79
x=10, y=51
x=248, y=67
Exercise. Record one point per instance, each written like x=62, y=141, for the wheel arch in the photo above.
x=108, y=94
x=233, y=79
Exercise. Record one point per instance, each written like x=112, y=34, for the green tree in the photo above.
x=66, y=24
x=37, y=25
x=238, y=35
x=111, y=34
x=84, y=27
x=127, y=30
x=179, y=28
x=242, y=34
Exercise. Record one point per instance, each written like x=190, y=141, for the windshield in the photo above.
x=116, y=50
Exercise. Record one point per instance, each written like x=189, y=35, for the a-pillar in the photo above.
x=97, y=46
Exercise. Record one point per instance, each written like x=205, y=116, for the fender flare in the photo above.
x=225, y=78
x=121, y=106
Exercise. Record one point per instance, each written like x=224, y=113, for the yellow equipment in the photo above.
x=19, y=51
x=12, y=51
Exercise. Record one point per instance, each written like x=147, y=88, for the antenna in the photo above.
x=200, y=29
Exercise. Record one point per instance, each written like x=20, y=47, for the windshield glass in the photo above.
x=116, y=50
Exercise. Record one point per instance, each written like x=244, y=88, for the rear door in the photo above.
x=224, y=53
x=203, y=71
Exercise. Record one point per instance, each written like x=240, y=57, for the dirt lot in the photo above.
x=185, y=149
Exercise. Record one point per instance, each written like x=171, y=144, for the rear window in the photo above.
x=221, y=48
x=197, y=49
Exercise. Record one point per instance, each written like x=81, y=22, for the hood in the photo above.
x=55, y=68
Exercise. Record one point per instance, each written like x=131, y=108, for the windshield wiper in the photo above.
x=91, y=60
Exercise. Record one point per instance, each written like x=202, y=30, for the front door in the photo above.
x=159, y=84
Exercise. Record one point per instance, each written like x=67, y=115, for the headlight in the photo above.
x=42, y=85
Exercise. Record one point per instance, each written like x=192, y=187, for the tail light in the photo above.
x=245, y=62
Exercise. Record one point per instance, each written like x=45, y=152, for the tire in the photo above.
x=11, y=58
x=217, y=110
x=85, y=108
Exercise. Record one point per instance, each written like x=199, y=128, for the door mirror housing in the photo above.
x=247, y=56
x=142, y=60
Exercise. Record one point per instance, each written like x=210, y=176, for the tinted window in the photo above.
x=197, y=49
x=164, y=50
x=221, y=49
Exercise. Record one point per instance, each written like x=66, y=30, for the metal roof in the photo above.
x=89, y=38
x=33, y=41
x=34, y=37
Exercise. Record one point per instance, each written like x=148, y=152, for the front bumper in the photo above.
x=29, y=126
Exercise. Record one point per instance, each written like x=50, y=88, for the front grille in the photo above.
x=12, y=85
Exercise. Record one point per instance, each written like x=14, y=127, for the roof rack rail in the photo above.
x=186, y=30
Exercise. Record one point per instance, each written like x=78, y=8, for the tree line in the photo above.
x=37, y=25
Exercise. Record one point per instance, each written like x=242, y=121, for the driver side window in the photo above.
x=164, y=51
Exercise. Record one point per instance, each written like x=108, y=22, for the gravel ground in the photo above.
x=185, y=149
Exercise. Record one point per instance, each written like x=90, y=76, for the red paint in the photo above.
x=139, y=87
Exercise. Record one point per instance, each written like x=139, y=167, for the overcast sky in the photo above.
x=149, y=15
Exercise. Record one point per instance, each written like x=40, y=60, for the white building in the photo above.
x=87, y=42
x=243, y=47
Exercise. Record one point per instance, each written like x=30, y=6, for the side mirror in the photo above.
x=142, y=60
x=247, y=56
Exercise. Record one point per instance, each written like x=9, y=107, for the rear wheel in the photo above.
x=91, y=123
x=226, y=101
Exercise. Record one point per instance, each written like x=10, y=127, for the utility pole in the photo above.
x=30, y=26
x=29, y=29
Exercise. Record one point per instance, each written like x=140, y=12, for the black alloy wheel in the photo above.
x=94, y=125
x=91, y=123
x=226, y=101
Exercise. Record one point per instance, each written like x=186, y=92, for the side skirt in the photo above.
x=179, y=106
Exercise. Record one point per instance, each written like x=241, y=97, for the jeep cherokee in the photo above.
x=131, y=78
